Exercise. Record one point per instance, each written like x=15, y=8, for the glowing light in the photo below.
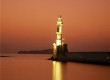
x=54, y=62
x=59, y=23
x=54, y=44
x=58, y=42
x=54, y=50
x=58, y=36
x=57, y=72
x=60, y=29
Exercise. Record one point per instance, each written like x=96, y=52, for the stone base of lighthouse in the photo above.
x=59, y=51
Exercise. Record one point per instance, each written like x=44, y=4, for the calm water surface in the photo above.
x=36, y=67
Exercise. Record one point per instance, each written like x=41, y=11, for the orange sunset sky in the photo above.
x=31, y=24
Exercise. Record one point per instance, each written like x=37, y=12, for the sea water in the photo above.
x=37, y=67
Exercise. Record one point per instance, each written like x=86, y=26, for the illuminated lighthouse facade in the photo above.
x=59, y=31
x=59, y=48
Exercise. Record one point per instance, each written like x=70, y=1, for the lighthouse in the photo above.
x=59, y=48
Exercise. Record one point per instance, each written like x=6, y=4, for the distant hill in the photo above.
x=46, y=51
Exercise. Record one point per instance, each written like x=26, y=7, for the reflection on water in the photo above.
x=59, y=70
x=35, y=67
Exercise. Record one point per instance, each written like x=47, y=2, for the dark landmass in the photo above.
x=47, y=51
x=5, y=56
x=85, y=57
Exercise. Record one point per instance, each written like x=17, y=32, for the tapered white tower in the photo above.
x=59, y=46
x=59, y=31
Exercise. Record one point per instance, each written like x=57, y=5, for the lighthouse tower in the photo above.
x=59, y=48
x=59, y=31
